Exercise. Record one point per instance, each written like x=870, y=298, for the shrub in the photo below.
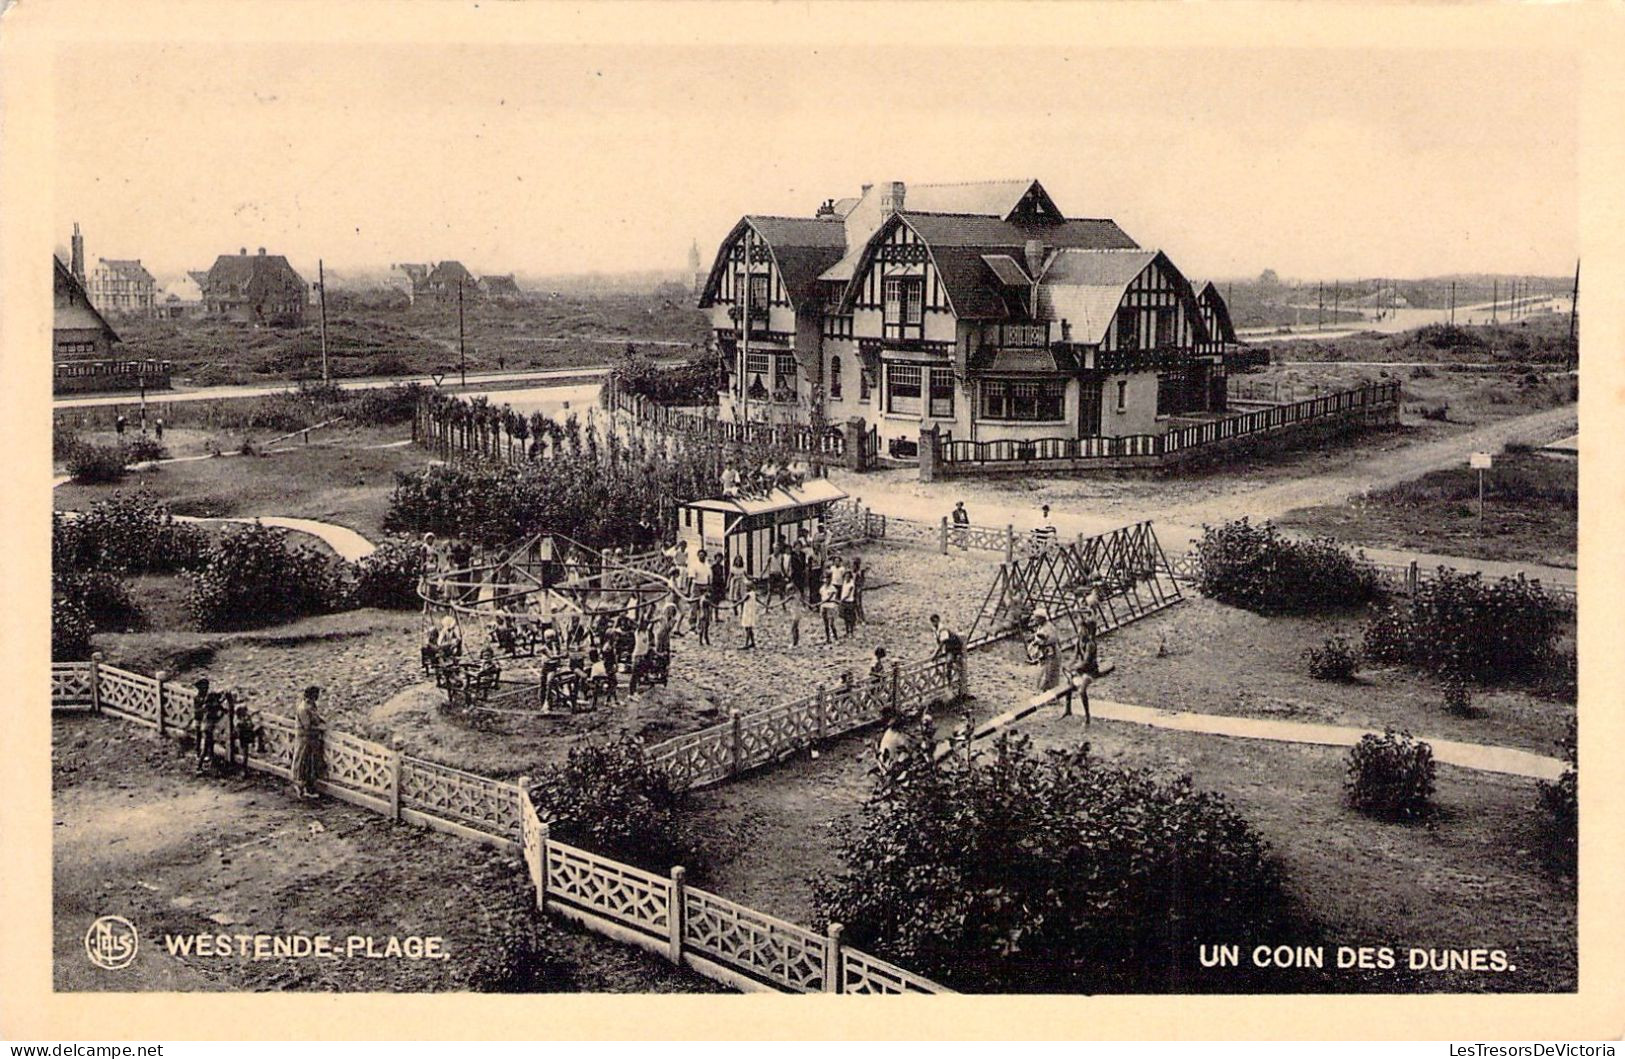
x=1390, y=775
x=64, y=439
x=1335, y=659
x=128, y=533
x=1385, y=638
x=389, y=577
x=693, y=382
x=71, y=629
x=384, y=406
x=254, y=577
x=141, y=449
x=1254, y=567
x=1046, y=873
x=607, y=798
x=106, y=599
x=95, y=464
x=1560, y=805
x=1458, y=697
x=1499, y=632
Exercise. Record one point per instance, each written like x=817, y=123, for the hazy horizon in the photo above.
x=545, y=161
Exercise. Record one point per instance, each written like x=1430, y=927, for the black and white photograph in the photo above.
x=885, y=499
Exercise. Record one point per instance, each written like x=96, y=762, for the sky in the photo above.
x=545, y=159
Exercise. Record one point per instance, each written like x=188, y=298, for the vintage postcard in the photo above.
x=1055, y=520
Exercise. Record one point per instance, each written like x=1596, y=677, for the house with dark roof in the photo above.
x=78, y=330
x=979, y=309
x=122, y=287
x=257, y=288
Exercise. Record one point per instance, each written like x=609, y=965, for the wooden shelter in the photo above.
x=747, y=526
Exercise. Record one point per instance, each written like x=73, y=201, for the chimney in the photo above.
x=892, y=200
x=78, y=264
x=864, y=192
x=1034, y=253
x=826, y=210
x=242, y=251
x=262, y=251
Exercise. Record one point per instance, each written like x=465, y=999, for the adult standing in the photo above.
x=719, y=579
x=961, y=521
x=307, y=743
x=849, y=601
x=1044, y=535
x=1045, y=649
x=829, y=605
x=738, y=585
x=798, y=568
x=207, y=709
x=859, y=579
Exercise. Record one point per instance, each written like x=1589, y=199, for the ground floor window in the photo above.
x=942, y=393
x=1030, y=400
x=903, y=384
x=784, y=377
x=835, y=378
x=1170, y=393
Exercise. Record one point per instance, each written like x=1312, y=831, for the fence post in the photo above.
x=945, y=535
x=96, y=681
x=395, y=783
x=1413, y=577
x=1009, y=542
x=735, y=749
x=541, y=882
x=832, y=959
x=821, y=716
x=159, y=677
x=674, y=916
x=895, y=666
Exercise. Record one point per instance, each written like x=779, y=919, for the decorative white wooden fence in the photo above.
x=727, y=942
x=718, y=938
x=755, y=738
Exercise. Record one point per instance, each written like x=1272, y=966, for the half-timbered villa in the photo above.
x=978, y=309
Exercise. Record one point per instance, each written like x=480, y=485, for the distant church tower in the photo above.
x=694, y=267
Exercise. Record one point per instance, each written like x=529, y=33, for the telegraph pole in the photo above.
x=1320, y=306
x=1452, y=303
x=1574, y=307
x=462, y=349
x=1495, y=299
x=321, y=286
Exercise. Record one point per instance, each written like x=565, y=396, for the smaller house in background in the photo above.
x=183, y=296
x=255, y=288
x=78, y=330
x=500, y=287
x=443, y=281
x=122, y=287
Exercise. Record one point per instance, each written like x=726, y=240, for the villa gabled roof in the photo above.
x=991, y=198
x=802, y=248
x=958, y=244
x=73, y=311
x=131, y=270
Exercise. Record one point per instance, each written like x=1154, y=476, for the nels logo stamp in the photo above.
x=111, y=942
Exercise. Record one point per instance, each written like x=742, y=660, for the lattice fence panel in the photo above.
x=131, y=694
x=70, y=683
x=765, y=734
x=699, y=757
x=784, y=954
x=924, y=681
x=862, y=973
x=978, y=538
x=179, y=703
x=277, y=754
x=848, y=708
x=356, y=764
x=608, y=888
x=485, y=805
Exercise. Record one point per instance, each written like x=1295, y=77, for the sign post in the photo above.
x=1480, y=462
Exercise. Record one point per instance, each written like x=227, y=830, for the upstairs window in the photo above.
x=1128, y=329
x=1165, y=328
x=905, y=300
x=759, y=291
x=835, y=378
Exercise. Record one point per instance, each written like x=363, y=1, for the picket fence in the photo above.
x=1369, y=399
x=720, y=939
x=828, y=442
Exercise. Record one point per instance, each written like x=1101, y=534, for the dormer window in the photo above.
x=905, y=300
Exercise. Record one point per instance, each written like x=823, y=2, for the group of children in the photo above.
x=799, y=576
x=245, y=734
